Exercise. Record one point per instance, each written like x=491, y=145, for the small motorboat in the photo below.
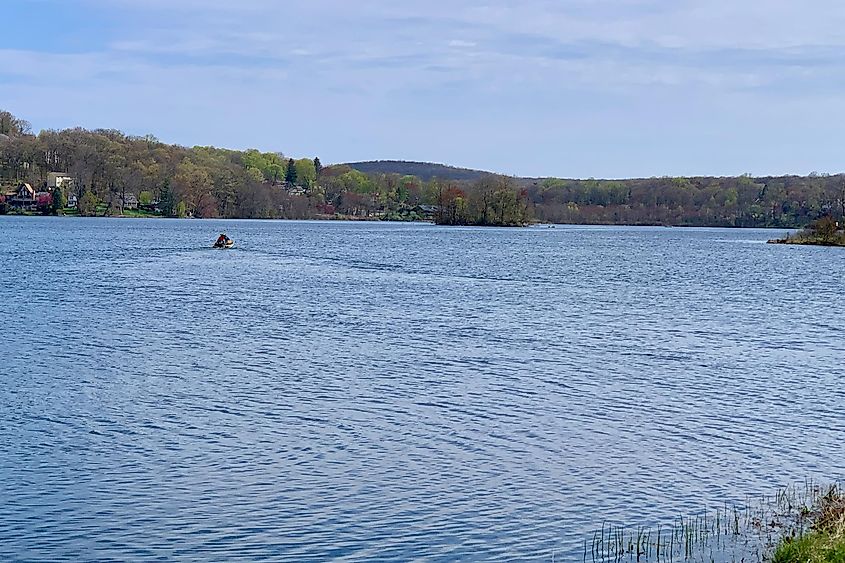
x=224, y=242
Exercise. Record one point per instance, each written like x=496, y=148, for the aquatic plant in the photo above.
x=750, y=532
x=824, y=541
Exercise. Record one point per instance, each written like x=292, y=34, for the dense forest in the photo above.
x=111, y=172
x=423, y=170
x=788, y=201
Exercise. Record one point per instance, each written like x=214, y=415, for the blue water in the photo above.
x=397, y=392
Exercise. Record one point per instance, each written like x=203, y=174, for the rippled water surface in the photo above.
x=397, y=392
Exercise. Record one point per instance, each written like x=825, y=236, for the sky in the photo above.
x=567, y=88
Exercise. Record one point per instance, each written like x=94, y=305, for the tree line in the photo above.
x=108, y=168
x=744, y=201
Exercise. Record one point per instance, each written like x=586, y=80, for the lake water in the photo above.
x=400, y=392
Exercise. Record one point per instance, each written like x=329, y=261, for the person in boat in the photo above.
x=222, y=240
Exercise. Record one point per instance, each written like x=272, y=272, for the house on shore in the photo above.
x=121, y=202
x=154, y=206
x=129, y=201
x=294, y=189
x=425, y=210
x=59, y=180
x=25, y=197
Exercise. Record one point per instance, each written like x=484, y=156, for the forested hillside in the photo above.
x=422, y=170
x=108, y=169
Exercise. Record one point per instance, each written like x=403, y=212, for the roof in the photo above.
x=27, y=187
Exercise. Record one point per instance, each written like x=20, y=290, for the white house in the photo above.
x=129, y=201
x=72, y=200
x=58, y=180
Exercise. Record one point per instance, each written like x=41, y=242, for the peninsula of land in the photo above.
x=825, y=231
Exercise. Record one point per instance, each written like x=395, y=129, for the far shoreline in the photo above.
x=352, y=219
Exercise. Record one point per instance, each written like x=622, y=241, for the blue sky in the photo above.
x=571, y=88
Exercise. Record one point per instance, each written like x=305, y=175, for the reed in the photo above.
x=748, y=533
x=824, y=540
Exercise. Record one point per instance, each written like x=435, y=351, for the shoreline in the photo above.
x=805, y=242
x=802, y=523
x=353, y=219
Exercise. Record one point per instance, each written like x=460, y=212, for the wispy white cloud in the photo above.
x=717, y=40
x=360, y=71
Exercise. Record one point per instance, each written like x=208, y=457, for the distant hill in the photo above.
x=422, y=170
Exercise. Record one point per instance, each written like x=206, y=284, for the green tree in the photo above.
x=59, y=201
x=168, y=199
x=255, y=175
x=270, y=164
x=252, y=159
x=306, y=173
x=88, y=204
x=290, y=174
x=276, y=168
x=357, y=182
x=181, y=210
x=318, y=166
x=145, y=197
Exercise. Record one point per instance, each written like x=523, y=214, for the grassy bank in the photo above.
x=101, y=211
x=823, y=539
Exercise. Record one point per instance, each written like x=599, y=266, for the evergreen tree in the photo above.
x=318, y=166
x=167, y=200
x=290, y=175
x=59, y=201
